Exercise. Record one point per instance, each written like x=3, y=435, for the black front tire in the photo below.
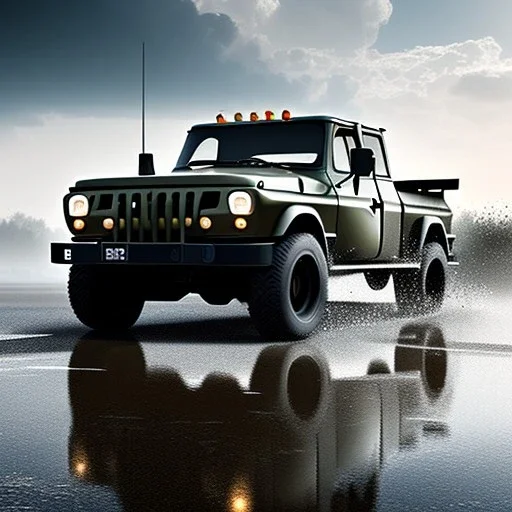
x=423, y=290
x=103, y=298
x=287, y=300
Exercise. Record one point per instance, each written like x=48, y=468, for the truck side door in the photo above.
x=359, y=221
x=390, y=204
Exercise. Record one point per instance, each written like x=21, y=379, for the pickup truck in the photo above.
x=261, y=211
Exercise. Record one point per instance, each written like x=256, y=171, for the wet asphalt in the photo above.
x=192, y=410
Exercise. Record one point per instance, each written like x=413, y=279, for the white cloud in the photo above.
x=417, y=70
x=284, y=25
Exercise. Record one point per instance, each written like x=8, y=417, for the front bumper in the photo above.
x=239, y=255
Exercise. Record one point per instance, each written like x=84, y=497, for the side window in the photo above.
x=341, y=150
x=207, y=150
x=370, y=141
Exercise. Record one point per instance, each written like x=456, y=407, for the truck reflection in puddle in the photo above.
x=296, y=439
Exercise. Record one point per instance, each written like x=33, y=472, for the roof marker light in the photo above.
x=269, y=115
x=239, y=117
x=254, y=116
x=220, y=118
x=285, y=115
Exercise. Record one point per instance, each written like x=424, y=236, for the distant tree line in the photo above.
x=25, y=239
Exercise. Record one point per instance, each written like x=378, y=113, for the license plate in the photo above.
x=115, y=253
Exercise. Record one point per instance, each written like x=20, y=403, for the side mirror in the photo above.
x=362, y=161
x=146, y=167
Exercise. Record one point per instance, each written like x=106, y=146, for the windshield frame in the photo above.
x=187, y=153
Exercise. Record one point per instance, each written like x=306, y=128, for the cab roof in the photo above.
x=325, y=119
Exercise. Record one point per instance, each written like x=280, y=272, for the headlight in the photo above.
x=78, y=206
x=240, y=203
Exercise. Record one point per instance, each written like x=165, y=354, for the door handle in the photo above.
x=375, y=205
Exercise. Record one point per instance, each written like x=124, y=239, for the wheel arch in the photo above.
x=302, y=219
x=425, y=230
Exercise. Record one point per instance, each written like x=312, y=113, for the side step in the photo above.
x=363, y=267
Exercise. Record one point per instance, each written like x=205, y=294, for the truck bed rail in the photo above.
x=426, y=185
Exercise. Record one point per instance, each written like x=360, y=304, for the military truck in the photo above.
x=262, y=211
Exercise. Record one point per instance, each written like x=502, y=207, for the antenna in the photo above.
x=143, y=100
x=146, y=167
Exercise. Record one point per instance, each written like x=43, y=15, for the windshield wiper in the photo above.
x=253, y=160
x=231, y=163
x=207, y=162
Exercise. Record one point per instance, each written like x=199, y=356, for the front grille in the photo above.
x=155, y=216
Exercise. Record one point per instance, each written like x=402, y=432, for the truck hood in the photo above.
x=268, y=179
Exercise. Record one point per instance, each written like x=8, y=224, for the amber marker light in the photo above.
x=108, y=223
x=286, y=115
x=254, y=116
x=78, y=224
x=240, y=223
x=269, y=115
x=239, y=116
x=220, y=118
x=205, y=222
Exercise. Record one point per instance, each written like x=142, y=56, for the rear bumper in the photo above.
x=239, y=255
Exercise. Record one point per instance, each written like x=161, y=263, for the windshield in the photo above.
x=297, y=144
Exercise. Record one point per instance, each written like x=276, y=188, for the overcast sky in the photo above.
x=436, y=74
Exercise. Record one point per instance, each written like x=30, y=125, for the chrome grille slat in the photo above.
x=154, y=216
x=129, y=201
x=143, y=207
x=181, y=216
x=195, y=214
x=115, y=207
x=168, y=215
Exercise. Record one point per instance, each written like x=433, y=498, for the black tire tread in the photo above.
x=410, y=289
x=265, y=304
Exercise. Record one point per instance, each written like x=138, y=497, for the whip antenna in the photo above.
x=143, y=100
x=146, y=167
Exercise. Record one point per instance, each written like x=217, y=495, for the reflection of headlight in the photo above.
x=240, y=203
x=78, y=206
x=80, y=469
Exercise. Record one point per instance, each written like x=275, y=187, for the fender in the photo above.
x=420, y=230
x=294, y=212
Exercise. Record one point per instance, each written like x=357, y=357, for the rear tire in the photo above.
x=103, y=298
x=423, y=290
x=287, y=300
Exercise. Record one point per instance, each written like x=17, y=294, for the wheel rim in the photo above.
x=305, y=287
x=435, y=282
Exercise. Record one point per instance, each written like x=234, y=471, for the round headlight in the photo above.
x=240, y=203
x=78, y=206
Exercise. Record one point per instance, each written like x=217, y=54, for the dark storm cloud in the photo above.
x=83, y=57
